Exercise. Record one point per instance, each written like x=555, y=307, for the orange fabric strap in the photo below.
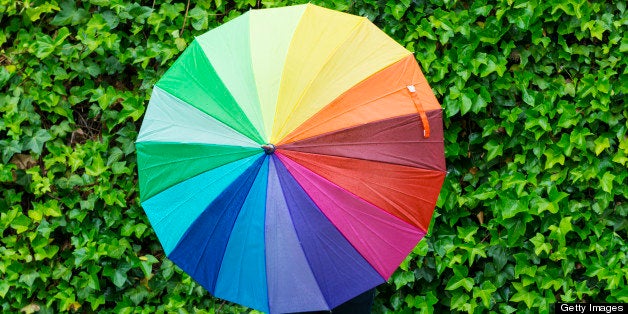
x=419, y=108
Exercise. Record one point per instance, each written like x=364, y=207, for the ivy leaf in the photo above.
x=493, y=66
x=559, y=233
x=397, y=9
x=138, y=294
x=29, y=277
x=4, y=288
x=522, y=294
x=457, y=281
x=36, y=142
x=104, y=96
x=167, y=269
x=528, y=97
x=483, y=98
x=69, y=14
x=458, y=300
x=467, y=233
x=553, y=158
x=607, y=182
x=96, y=167
x=465, y=104
x=62, y=34
x=171, y=11
x=601, y=143
x=118, y=276
x=596, y=28
x=111, y=19
x=9, y=149
x=34, y=13
x=139, y=13
x=21, y=223
x=180, y=43
x=540, y=245
x=43, y=46
x=485, y=293
x=402, y=278
x=494, y=149
x=199, y=18
x=132, y=107
x=146, y=263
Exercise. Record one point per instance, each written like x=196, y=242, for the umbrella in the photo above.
x=290, y=159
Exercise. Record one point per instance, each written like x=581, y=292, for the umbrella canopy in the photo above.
x=291, y=158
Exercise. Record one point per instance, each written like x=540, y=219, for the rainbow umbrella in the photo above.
x=291, y=158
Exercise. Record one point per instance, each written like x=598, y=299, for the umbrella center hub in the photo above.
x=269, y=149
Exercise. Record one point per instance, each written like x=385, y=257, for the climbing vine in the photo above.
x=533, y=210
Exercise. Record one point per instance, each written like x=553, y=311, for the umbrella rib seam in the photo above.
x=336, y=116
x=309, y=84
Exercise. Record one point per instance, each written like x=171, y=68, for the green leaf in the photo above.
x=138, y=294
x=47, y=209
x=115, y=154
x=117, y=275
x=465, y=104
x=458, y=300
x=601, y=143
x=199, y=18
x=62, y=34
x=494, y=149
x=20, y=223
x=167, y=269
x=104, y=96
x=485, y=293
x=510, y=207
x=43, y=46
x=528, y=97
x=607, y=182
x=180, y=43
x=401, y=279
x=4, y=288
x=34, y=13
x=540, y=245
x=483, y=99
x=456, y=282
x=69, y=14
x=172, y=11
x=397, y=9
x=96, y=167
x=467, y=233
x=515, y=231
x=29, y=277
x=139, y=13
x=559, y=232
x=132, y=107
x=9, y=149
x=523, y=267
x=523, y=295
x=45, y=251
x=146, y=263
x=36, y=142
x=553, y=158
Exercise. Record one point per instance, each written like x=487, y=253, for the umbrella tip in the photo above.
x=269, y=149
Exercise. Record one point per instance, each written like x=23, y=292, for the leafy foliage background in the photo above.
x=533, y=210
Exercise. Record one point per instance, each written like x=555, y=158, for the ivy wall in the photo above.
x=533, y=210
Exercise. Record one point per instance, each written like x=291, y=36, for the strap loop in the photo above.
x=419, y=108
